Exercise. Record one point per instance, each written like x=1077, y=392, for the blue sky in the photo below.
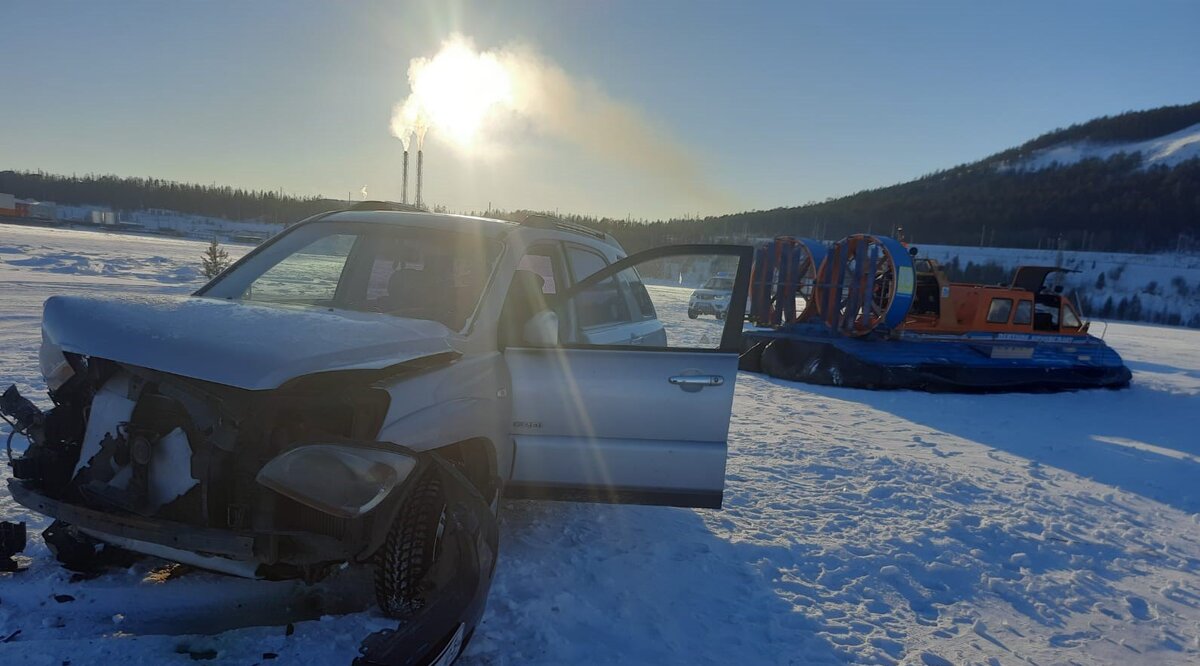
x=776, y=103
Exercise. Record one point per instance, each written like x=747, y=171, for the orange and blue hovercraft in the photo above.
x=869, y=312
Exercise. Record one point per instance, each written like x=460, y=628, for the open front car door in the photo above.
x=620, y=396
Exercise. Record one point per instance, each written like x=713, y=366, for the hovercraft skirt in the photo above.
x=965, y=363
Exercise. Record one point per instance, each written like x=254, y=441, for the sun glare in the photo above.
x=457, y=91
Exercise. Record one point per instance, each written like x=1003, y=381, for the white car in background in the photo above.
x=713, y=297
x=363, y=388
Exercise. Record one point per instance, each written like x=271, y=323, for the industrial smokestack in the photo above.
x=420, y=170
x=404, y=187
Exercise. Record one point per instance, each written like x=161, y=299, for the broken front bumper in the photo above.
x=298, y=548
x=162, y=532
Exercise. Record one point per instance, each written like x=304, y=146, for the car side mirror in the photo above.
x=542, y=329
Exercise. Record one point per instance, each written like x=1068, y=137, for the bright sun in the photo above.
x=454, y=93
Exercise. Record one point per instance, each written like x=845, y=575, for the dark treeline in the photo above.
x=1111, y=205
x=142, y=193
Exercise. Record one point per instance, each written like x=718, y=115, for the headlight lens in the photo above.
x=344, y=481
x=55, y=369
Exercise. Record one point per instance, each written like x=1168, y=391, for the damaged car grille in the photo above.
x=132, y=441
x=292, y=515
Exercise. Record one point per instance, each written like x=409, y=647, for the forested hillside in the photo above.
x=143, y=193
x=1111, y=204
x=1118, y=203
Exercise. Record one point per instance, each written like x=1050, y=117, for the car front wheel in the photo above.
x=412, y=545
x=692, y=314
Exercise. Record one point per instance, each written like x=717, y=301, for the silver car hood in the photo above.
x=238, y=344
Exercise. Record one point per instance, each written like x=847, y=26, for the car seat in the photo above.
x=406, y=293
x=524, y=299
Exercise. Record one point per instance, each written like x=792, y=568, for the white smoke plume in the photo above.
x=363, y=192
x=471, y=98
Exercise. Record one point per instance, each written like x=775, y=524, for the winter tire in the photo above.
x=411, y=547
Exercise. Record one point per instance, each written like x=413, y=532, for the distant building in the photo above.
x=102, y=217
x=37, y=210
x=44, y=210
x=87, y=214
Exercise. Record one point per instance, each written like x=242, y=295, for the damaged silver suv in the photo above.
x=364, y=387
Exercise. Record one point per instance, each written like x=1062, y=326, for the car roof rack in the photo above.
x=543, y=221
x=387, y=205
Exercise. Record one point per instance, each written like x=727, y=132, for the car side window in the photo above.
x=999, y=310
x=584, y=262
x=541, y=260
x=602, y=304
x=538, y=275
x=647, y=303
x=643, y=304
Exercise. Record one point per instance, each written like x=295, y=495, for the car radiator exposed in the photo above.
x=184, y=450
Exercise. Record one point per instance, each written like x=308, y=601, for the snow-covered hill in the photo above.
x=1168, y=150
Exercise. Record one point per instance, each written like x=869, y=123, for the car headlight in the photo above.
x=721, y=297
x=55, y=369
x=343, y=481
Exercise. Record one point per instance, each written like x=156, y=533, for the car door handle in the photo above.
x=696, y=382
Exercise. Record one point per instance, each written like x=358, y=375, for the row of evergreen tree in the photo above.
x=144, y=193
x=1112, y=204
x=1107, y=205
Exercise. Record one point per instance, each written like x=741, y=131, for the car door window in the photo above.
x=603, y=304
x=542, y=261
x=537, y=277
x=584, y=262
x=642, y=302
x=653, y=303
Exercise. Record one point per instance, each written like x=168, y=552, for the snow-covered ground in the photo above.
x=170, y=222
x=859, y=527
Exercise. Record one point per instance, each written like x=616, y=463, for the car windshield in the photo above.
x=412, y=272
x=719, y=283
